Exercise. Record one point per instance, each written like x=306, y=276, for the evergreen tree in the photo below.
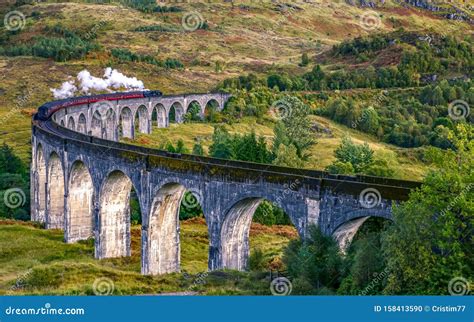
x=170, y=147
x=9, y=162
x=180, y=148
x=198, y=149
x=314, y=264
x=279, y=137
x=304, y=60
x=221, y=146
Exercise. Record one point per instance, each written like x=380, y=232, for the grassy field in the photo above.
x=39, y=262
x=404, y=161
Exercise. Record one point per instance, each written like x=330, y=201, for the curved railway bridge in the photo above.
x=82, y=178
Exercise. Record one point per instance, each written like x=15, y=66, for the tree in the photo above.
x=193, y=113
x=437, y=97
x=314, y=264
x=316, y=78
x=304, y=60
x=431, y=240
x=14, y=186
x=279, y=137
x=180, y=148
x=170, y=147
x=370, y=121
x=264, y=214
x=379, y=168
x=9, y=162
x=366, y=263
x=360, y=156
x=339, y=167
x=297, y=124
x=248, y=148
x=221, y=146
x=198, y=149
x=282, y=82
x=186, y=212
x=287, y=156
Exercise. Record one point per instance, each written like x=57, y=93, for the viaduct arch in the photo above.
x=82, y=177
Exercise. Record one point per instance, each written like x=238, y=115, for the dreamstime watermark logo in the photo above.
x=427, y=38
x=192, y=21
x=14, y=20
x=459, y=286
x=192, y=199
x=21, y=280
x=199, y=280
x=280, y=109
x=378, y=277
x=103, y=286
x=92, y=33
x=20, y=102
x=281, y=286
x=458, y=110
x=47, y=309
x=370, y=198
x=293, y=186
x=14, y=198
x=370, y=20
x=451, y=205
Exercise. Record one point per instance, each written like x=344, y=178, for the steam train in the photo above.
x=46, y=110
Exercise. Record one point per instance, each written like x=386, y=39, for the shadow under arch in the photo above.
x=96, y=124
x=235, y=230
x=125, y=123
x=211, y=107
x=344, y=234
x=141, y=119
x=55, y=193
x=176, y=113
x=161, y=119
x=109, y=125
x=71, y=124
x=80, y=210
x=82, y=124
x=114, y=216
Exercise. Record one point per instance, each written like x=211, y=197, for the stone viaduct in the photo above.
x=82, y=178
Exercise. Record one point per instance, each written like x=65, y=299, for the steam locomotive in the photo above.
x=46, y=110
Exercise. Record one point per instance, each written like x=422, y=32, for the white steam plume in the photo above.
x=66, y=90
x=116, y=80
x=112, y=80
